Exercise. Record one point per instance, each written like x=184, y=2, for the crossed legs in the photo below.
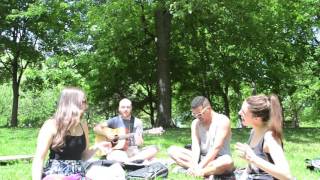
x=133, y=154
x=183, y=157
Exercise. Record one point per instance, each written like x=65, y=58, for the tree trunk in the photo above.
x=15, y=90
x=151, y=114
x=226, y=101
x=163, y=22
x=254, y=88
x=151, y=106
x=295, y=120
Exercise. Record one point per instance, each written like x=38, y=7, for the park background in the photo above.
x=159, y=54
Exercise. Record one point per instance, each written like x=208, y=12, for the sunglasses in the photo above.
x=199, y=115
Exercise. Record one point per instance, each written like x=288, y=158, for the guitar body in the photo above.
x=110, y=131
x=119, y=134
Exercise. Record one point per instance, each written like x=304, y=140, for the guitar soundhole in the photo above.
x=115, y=140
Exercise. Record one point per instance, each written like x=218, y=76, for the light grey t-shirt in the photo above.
x=207, y=137
x=118, y=122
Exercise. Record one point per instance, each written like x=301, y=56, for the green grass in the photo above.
x=299, y=144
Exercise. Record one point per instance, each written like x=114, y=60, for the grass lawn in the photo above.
x=299, y=144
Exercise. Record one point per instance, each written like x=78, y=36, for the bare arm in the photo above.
x=88, y=153
x=195, y=142
x=223, y=131
x=44, y=141
x=138, y=134
x=99, y=129
x=280, y=169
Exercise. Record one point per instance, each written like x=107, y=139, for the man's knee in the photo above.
x=227, y=162
x=223, y=162
x=118, y=155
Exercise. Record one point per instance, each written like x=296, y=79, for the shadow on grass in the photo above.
x=295, y=135
x=302, y=135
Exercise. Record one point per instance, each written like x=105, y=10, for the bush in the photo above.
x=35, y=108
x=5, y=104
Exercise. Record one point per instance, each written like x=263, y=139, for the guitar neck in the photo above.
x=126, y=136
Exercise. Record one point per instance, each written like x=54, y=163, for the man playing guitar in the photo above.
x=125, y=149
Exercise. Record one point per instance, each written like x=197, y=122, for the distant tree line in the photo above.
x=159, y=54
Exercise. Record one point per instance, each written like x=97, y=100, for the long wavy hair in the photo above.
x=72, y=103
x=269, y=109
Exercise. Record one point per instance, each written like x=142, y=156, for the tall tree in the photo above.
x=29, y=31
x=163, y=28
x=19, y=45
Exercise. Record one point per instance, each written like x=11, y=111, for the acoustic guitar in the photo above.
x=116, y=133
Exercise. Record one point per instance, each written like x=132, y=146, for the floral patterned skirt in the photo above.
x=64, y=167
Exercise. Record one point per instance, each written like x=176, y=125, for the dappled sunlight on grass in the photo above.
x=299, y=144
x=16, y=171
x=302, y=135
x=17, y=141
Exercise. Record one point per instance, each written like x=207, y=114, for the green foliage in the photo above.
x=303, y=102
x=29, y=32
x=35, y=108
x=5, y=104
x=225, y=50
x=55, y=71
x=121, y=60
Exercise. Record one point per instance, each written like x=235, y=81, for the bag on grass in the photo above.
x=101, y=162
x=151, y=171
x=313, y=164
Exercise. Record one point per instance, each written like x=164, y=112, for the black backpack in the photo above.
x=151, y=171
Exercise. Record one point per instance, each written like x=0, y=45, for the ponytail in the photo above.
x=268, y=108
x=275, y=117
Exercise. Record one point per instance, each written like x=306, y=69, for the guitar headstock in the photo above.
x=155, y=131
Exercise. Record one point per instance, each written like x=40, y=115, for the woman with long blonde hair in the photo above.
x=66, y=139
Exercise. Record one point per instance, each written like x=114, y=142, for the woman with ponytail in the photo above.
x=66, y=137
x=264, y=151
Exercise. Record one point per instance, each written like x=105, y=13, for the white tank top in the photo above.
x=207, y=137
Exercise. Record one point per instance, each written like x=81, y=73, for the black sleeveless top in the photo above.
x=72, y=149
x=255, y=172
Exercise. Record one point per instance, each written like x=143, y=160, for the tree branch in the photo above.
x=144, y=22
x=22, y=70
x=5, y=65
